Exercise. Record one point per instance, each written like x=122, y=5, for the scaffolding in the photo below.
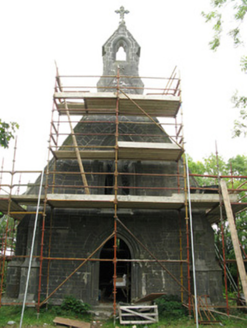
x=74, y=99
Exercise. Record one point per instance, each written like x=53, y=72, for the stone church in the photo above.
x=123, y=230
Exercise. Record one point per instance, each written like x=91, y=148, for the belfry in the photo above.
x=127, y=66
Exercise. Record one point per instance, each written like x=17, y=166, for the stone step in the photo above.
x=102, y=311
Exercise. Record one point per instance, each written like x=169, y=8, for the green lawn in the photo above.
x=45, y=319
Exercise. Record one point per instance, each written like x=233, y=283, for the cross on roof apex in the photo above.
x=122, y=11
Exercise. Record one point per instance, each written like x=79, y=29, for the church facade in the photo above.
x=115, y=235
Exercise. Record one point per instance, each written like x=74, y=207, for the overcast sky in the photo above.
x=34, y=33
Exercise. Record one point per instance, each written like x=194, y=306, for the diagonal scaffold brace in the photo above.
x=78, y=156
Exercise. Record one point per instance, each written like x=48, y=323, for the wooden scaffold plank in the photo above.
x=234, y=236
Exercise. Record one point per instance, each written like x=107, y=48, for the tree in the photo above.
x=219, y=16
x=235, y=166
x=240, y=125
x=208, y=166
x=6, y=132
x=11, y=232
x=238, y=165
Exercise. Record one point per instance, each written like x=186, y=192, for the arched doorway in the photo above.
x=123, y=272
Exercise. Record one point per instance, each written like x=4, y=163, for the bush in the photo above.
x=72, y=305
x=170, y=306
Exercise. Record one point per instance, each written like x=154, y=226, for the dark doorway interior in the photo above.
x=123, y=272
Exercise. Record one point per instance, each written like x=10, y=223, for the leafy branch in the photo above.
x=239, y=8
x=240, y=125
x=6, y=132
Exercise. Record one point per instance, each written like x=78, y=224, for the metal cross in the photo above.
x=122, y=12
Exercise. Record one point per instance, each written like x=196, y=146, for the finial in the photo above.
x=121, y=11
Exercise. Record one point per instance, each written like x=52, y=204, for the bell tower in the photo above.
x=121, y=53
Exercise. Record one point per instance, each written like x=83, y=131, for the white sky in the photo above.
x=34, y=33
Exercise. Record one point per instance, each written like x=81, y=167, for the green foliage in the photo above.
x=72, y=305
x=217, y=27
x=208, y=167
x=6, y=132
x=215, y=42
x=11, y=233
x=170, y=306
x=238, y=165
x=6, y=312
x=240, y=125
x=7, y=224
x=13, y=313
x=243, y=63
x=71, y=308
x=45, y=319
x=197, y=168
x=239, y=9
x=235, y=35
x=220, y=11
x=234, y=166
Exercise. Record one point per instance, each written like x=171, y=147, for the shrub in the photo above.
x=170, y=306
x=73, y=305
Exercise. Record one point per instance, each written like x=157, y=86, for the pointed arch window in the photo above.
x=121, y=54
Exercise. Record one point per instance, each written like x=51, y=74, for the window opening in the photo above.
x=121, y=54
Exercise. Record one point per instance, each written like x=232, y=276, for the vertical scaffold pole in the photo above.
x=181, y=256
x=186, y=217
x=47, y=172
x=42, y=238
x=49, y=254
x=32, y=247
x=222, y=230
x=192, y=241
x=187, y=238
x=116, y=204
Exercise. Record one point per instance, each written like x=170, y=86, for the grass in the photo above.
x=45, y=319
x=13, y=313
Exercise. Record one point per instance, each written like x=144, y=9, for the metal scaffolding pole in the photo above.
x=222, y=229
x=192, y=240
x=32, y=247
x=115, y=205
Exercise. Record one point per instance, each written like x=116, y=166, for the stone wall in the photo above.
x=77, y=233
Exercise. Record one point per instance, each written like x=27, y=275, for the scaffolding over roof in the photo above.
x=97, y=108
